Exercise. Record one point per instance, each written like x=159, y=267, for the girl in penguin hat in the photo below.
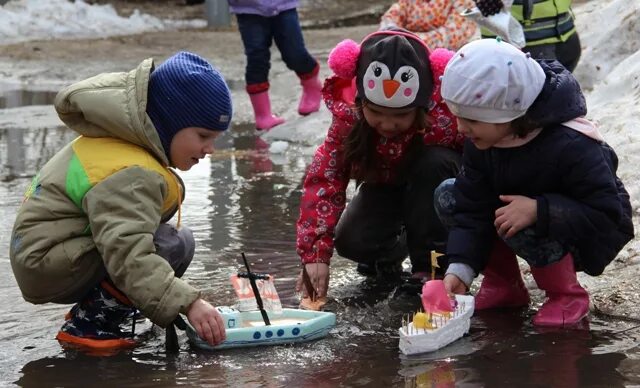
x=392, y=133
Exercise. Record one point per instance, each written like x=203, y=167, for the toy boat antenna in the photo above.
x=256, y=293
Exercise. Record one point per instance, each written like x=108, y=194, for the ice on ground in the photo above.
x=278, y=147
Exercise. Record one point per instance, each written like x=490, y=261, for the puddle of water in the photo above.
x=242, y=199
x=24, y=97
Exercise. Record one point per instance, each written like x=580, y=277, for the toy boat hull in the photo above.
x=248, y=329
x=415, y=341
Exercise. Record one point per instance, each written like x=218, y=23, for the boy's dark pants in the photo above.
x=101, y=308
x=384, y=223
x=258, y=32
x=176, y=246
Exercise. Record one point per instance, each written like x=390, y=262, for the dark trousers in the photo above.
x=258, y=32
x=536, y=250
x=176, y=246
x=567, y=53
x=386, y=222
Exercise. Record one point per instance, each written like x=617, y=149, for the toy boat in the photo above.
x=248, y=328
x=444, y=328
x=260, y=318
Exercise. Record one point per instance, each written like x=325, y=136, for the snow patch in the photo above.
x=25, y=20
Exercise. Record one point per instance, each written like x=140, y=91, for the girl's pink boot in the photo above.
x=502, y=285
x=262, y=111
x=311, y=93
x=567, y=302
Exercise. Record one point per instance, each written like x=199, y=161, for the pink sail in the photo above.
x=435, y=298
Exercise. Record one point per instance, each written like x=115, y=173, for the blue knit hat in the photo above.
x=186, y=91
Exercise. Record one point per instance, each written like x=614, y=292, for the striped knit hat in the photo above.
x=186, y=91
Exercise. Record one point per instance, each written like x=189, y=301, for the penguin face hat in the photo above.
x=391, y=68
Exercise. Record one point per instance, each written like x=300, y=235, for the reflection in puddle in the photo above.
x=23, y=97
x=24, y=152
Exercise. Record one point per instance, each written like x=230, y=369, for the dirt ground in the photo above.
x=313, y=13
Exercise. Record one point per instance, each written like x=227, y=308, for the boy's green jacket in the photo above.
x=107, y=190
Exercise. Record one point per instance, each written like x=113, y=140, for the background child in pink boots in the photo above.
x=261, y=23
x=537, y=180
x=394, y=135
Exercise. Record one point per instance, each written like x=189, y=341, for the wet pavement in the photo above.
x=244, y=199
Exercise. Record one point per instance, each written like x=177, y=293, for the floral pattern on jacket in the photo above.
x=437, y=22
x=324, y=190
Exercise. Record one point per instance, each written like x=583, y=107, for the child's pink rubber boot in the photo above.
x=502, y=285
x=567, y=302
x=311, y=92
x=262, y=111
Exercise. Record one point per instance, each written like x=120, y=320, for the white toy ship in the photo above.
x=445, y=318
x=431, y=331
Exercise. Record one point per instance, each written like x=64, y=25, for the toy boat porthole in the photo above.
x=256, y=335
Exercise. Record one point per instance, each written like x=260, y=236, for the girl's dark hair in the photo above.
x=523, y=125
x=360, y=147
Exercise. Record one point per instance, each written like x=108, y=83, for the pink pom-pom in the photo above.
x=439, y=59
x=343, y=59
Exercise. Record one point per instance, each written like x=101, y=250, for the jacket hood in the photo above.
x=112, y=105
x=561, y=98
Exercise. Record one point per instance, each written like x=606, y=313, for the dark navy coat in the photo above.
x=581, y=201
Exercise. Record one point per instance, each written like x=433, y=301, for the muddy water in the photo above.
x=244, y=199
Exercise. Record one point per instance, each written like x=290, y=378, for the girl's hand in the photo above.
x=454, y=285
x=319, y=276
x=519, y=213
x=207, y=321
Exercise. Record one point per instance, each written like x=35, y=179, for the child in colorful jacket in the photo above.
x=438, y=23
x=92, y=229
x=537, y=181
x=393, y=134
x=548, y=26
x=260, y=23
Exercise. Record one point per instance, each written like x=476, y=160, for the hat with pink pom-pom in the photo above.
x=391, y=67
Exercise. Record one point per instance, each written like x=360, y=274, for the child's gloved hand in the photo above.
x=489, y=7
x=319, y=276
x=207, y=322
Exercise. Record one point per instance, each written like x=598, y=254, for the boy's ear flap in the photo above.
x=343, y=59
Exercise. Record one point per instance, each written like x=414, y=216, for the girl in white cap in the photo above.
x=537, y=180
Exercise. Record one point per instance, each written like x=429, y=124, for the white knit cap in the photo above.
x=491, y=81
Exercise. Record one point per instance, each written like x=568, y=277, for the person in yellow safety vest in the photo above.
x=548, y=26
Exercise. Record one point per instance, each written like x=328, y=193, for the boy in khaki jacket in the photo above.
x=92, y=229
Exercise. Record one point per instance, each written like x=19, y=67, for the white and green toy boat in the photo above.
x=248, y=328
x=259, y=318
